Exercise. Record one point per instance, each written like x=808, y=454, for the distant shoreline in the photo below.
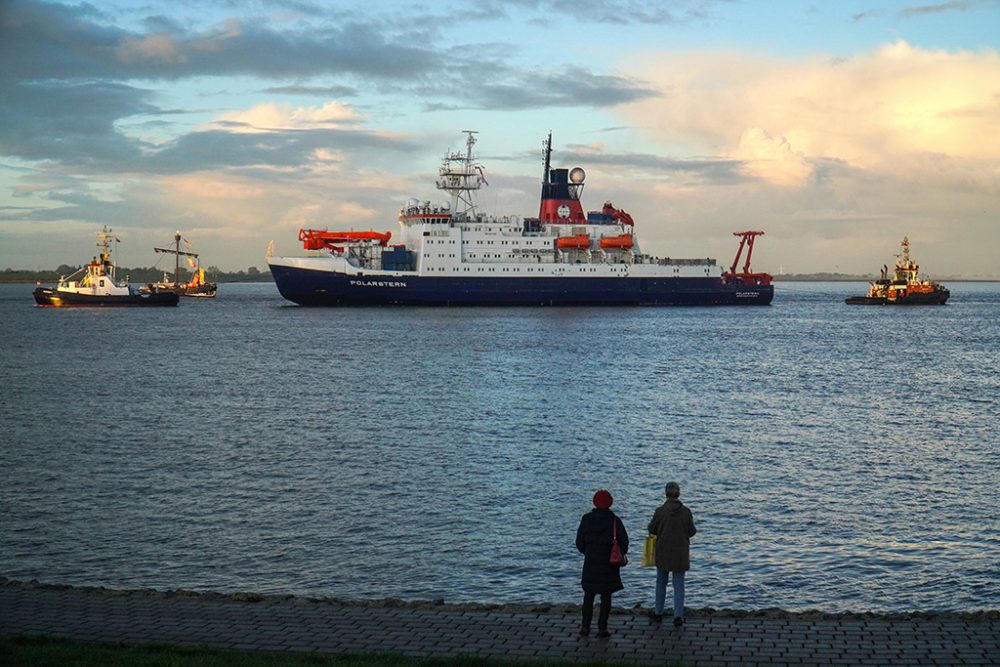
x=538, y=607
x=783, y=279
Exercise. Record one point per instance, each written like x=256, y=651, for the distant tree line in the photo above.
x=138, y=275
x=824, y=277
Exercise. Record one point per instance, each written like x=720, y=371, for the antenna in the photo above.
x=460, y=175
x=547, y=153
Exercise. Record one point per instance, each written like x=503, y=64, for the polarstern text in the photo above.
x=377, y=283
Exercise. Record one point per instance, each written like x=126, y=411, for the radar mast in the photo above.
x=460, y=175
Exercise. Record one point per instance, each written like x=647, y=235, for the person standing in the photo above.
x=673, y=526
x=598, y=529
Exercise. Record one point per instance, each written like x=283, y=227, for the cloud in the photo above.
x=942, y=8
x=315, y=91
x=270, y=117
x=508, y=88
x=615, y=12
x=835, y=158
x=773, y=159
x=71, y=122
x=50, y=41
x=881, y=111
x=926, y=10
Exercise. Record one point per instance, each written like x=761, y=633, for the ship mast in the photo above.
x=460, y=175
x=105, y=237
x=176, y=250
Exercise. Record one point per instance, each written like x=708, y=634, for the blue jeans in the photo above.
x=661, y=591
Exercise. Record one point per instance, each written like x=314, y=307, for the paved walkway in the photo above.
x=274, y=624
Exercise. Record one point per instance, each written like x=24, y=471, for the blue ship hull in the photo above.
x=308, y=287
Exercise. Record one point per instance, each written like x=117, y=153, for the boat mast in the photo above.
x=547, y=152
x=460, y=175
x=176, y=250
x=105, y=237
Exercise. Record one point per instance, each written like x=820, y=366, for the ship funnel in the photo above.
x=561, y=194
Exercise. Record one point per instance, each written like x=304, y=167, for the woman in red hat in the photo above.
x=598, y=529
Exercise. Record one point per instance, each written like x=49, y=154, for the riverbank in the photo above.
x=254, y=622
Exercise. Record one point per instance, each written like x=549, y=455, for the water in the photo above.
x=835, y=457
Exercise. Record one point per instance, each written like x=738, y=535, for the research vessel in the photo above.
x=98, y=286
x=905, y=288
x=451, y=254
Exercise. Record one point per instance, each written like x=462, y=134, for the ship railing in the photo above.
x=669, y=261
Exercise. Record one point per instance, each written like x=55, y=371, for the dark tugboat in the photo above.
x=197, y=286
x=98, y=286
x=905, y=288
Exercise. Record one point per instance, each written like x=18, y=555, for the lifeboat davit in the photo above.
x=617, y=242
x=578, y=242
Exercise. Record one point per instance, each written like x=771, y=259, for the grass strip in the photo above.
x=48, y=652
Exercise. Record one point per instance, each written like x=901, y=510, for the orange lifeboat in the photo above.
x=316, y=239
x=617, y=242
x=578, y=242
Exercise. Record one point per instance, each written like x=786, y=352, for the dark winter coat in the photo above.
x=673, y=526
x=593, y=540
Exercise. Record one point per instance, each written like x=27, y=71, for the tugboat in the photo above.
x=99, y=287
x=197, y=286
x=452, y=254
x=905, y=288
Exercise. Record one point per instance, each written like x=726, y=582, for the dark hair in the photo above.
x=673, y=490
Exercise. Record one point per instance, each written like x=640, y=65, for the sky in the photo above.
x=835, y=127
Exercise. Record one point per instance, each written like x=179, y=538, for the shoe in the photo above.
x=584, y=631
x=603, y=634
x=679, y=621
x=655, y=618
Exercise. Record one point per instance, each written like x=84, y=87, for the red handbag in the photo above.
x=617, y=556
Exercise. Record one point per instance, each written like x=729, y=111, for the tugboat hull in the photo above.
x=45, y=296
x=929, y=299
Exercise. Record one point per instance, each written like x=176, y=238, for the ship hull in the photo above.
x=207, y=290
x=938, y=298
x=310, y=287
x=45, y=296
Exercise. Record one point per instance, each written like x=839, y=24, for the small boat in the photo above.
x=197, y=286
x=905, y=288
x=623, y=241
x=98, y=286
x=576, y=242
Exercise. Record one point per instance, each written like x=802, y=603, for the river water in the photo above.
x=835, y=457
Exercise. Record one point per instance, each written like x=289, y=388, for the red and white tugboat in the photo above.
x=98, y=286
x=905, y=288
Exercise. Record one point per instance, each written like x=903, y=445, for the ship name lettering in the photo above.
x=378, y=283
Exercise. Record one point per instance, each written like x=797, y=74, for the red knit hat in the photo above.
x=603, y=499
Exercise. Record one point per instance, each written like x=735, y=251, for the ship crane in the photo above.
x=746, y=277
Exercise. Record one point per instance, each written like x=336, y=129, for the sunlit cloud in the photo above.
x=884, y=111
x=271, y=117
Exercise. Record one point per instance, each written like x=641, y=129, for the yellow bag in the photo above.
x=649, y=552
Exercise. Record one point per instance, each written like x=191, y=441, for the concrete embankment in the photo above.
x=255, y=622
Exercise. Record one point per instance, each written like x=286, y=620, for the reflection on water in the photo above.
x=835, y=457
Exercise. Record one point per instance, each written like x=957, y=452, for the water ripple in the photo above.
x=835, y=458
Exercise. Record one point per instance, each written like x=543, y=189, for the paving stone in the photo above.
x=288, y=626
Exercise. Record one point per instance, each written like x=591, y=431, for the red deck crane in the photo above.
x=746, y=277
